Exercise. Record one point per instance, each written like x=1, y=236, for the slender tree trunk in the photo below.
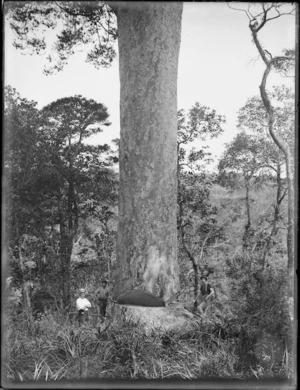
x=290, y=229
x=25, y=290
x=66, y=242
x=195, y=268
x=190, y=256
x=67, y=234
x=183, y=240
x=248, y=205
x=279, y=198
x=149, y=40
x=196, y=286
x=107, y=249
x=284, y=147
x=247, y=232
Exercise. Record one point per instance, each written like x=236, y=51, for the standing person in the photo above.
x=82, y=306
x=207, y=293
x=102, y=296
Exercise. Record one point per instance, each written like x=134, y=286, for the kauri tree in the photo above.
x=149, y=40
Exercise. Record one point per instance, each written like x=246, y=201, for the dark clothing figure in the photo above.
x=207, y=294
x=102, y=306
x=102, y=297
x=205, y=289
x=82, y=315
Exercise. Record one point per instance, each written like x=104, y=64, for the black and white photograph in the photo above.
x=149, y=195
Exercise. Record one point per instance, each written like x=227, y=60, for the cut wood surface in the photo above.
x=139, y=297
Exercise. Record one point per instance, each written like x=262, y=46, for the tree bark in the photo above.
x=284, y=147
x=66, y=243
x=279, y=198
x=187, y=251
x=25, y=290
x=290, y=229
x=247, y=233
x=248, y=205
x=149, y=41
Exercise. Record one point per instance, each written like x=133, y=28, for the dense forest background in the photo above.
x=60, y=197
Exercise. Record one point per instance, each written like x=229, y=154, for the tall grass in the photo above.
x=55, y=350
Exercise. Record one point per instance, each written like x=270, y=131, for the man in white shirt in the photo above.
x=82, y=306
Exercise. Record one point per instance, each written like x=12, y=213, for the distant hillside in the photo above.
x=232, y=212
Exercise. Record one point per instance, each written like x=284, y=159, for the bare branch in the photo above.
x=203, y=244
x=248, y=10
x=101, y=25
x=279, y=14
x=238, y=9
x=283, y=196
x=215, y=246
x=187, y=165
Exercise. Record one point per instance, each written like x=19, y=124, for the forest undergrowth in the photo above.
x=249, y=344
x=48, y=350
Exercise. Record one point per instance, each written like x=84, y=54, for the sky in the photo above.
x=218, y=67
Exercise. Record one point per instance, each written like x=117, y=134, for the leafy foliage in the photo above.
x=245, y=161
x=60, y=181
x=75, y=24
x=262, y=315
x=246, y=330
x=253, y=118
x=196, y=223
x=20, y=160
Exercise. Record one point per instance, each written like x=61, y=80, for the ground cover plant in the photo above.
x=248, y=341
x=53, y=351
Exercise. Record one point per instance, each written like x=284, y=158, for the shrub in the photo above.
x=262, y=323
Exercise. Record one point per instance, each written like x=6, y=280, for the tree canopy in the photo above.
x=75, y=24
x=53, y=178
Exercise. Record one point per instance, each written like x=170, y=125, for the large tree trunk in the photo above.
x=149, y=40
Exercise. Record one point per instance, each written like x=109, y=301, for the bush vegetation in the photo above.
x=233, y=233
x=244, y=338
x=50, y=350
